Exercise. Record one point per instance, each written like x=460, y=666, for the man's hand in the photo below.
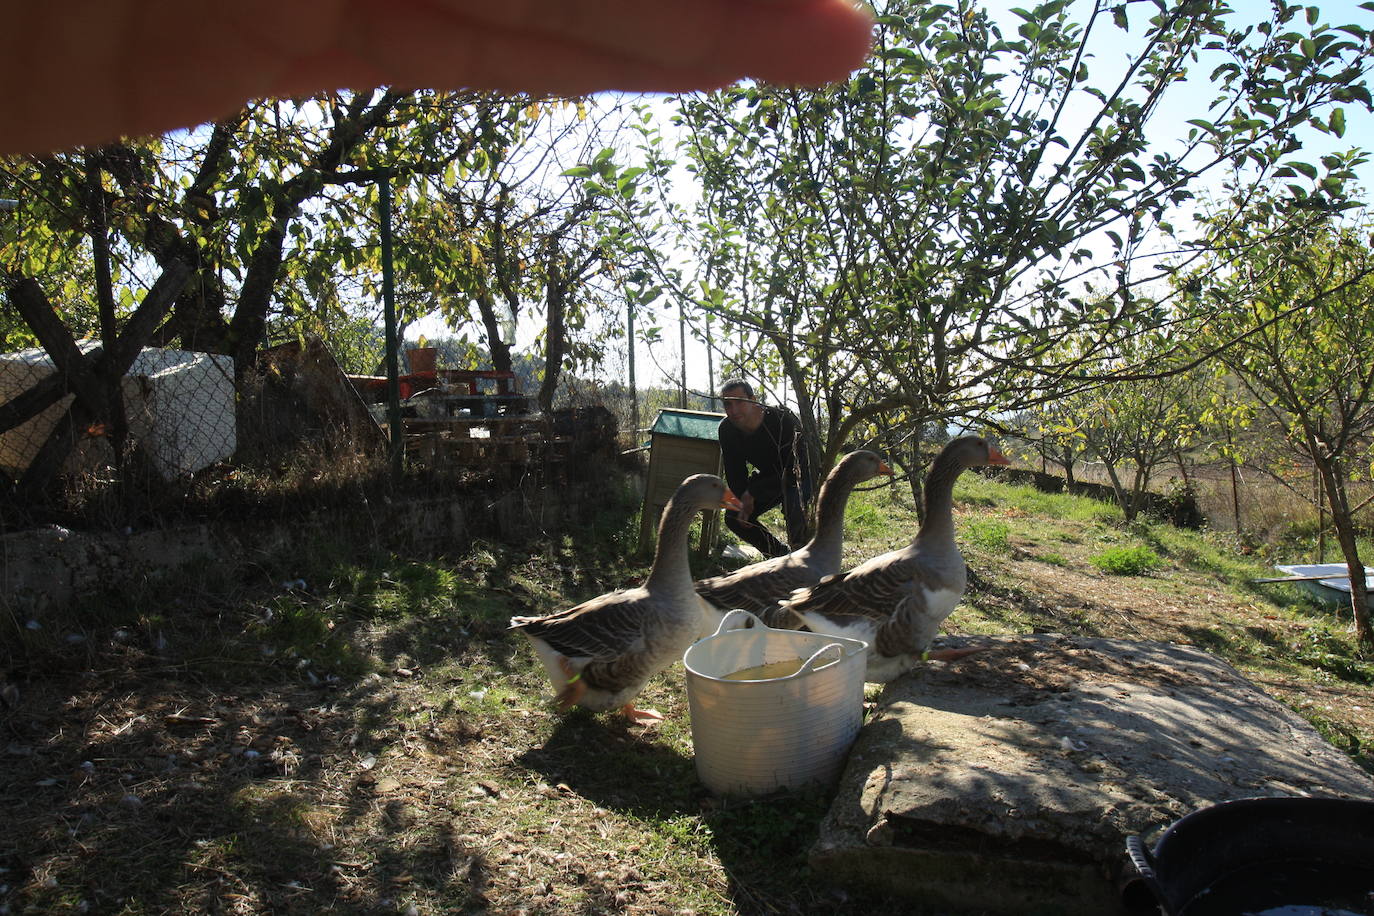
x=746, y=512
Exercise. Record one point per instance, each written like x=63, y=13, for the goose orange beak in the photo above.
x=730, y=501
x=995, y=456
x=885, y=468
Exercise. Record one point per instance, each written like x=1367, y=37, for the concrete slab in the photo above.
x=1007, y=782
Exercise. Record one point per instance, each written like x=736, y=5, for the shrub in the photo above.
x=1127, y=561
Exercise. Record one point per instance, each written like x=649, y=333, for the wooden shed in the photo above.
x=681, y=443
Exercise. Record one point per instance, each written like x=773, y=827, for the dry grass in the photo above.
x=1270, y=514
x=377, y=742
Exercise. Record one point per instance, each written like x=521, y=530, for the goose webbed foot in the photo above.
x=574, y=690
x=641, y=716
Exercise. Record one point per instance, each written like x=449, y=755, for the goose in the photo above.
x=896, y=601
x=601, y=653
x=761, y=587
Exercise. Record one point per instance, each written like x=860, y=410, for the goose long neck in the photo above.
x=939, y=520
x=829, y=537
x=670, y=569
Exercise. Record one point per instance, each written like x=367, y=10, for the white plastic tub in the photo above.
x=754, y=736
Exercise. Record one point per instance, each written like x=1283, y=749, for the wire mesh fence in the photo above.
x=190, y=433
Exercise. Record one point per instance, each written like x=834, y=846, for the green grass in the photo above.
x=867, y=516
x=990, y=535
x=1327, y=649
x=1130, y=560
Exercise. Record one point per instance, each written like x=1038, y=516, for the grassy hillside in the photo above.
x=367, y=736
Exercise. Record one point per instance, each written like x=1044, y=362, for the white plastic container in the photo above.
x=179, y=405
x=754, y=736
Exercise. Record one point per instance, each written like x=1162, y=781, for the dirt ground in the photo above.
x=143, y=786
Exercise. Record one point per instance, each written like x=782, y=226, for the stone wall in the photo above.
x=51, y=567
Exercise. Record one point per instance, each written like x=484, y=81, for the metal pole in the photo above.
x=682, y=348
x=393, y=381
x=630, y=352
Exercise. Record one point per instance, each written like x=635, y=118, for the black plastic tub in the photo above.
x=1264, y=857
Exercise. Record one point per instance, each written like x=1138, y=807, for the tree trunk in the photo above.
x=78, y=373
x=1333, y=484
x=1140, y=487
x=1321, y=517
x=682, y=350
x=1123, y=499
x=197, y=318
x=98, y=226
x=806, y=413
x=1067, y=462
x=249, y=324
x=630, y=361
x=917, y=470
x=710, y=359
x=499, y=349
x=554, y=334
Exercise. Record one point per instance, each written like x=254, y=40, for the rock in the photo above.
x=1008, y=782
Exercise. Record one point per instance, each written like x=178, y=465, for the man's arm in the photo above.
x=732, y=457
x=736, y=468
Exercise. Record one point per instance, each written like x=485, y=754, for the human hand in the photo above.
x=134, y=67
x=746, y=512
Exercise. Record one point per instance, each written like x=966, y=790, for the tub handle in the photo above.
x=1144, y=863
x=811, y=664
x=738, y=619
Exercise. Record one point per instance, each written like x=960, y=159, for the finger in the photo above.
x=92, y=71
x=794, y=41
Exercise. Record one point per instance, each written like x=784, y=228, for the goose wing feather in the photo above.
x=602, y=630
x=911, y=629
x=758, y=588
x=868, y=592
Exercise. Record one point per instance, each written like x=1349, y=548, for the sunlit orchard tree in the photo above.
x=220, y=214
x=1048, y=434
x=538, y=231
x=1292, y=314
x=254, y=203
x=1051, y=431
x=918, y=240
x=1136, y=424
x=273, y=212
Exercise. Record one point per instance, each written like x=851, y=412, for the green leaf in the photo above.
x=1337, y=122
x=934, y=13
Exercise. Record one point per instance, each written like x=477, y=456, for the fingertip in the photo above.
x=823, y=43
